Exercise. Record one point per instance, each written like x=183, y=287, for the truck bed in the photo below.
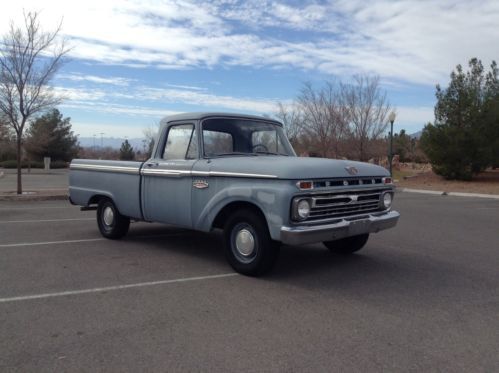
x=118, y=180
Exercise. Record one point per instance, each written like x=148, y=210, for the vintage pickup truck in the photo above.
x=240, y=174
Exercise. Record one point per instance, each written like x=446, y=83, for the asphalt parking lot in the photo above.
x=423, y=296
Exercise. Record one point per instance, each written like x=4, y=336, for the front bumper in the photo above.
x=345, y=228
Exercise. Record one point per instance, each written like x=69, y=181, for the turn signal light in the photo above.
x=305, y=185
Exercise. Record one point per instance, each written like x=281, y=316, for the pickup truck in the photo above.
x=238, y=173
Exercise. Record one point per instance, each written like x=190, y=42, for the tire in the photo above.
x=249, y=248
x=111, y=223
x=347, y=245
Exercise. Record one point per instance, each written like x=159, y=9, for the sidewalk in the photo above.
x=38, y=185
x=443, y=193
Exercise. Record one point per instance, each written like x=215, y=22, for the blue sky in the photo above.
x=133, y=62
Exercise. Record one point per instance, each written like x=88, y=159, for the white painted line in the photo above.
x=51, y=242
x=37, y=208
x=83, y=240
x=113, y=288
x=43, y=221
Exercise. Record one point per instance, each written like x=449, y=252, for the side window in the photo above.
x=181, y=142
x=216, y=142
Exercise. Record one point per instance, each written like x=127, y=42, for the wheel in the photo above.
x=111, y=223
x=248, y=246
x=347, y=245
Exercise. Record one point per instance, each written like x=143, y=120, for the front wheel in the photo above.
x=248, y=246
x=111, y=223
x=347, y=245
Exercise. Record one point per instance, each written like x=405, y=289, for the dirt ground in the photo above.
x=487, y=182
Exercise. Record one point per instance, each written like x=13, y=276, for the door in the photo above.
x=167, y=180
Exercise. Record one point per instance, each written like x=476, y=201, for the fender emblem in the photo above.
x=200, y=184
x=351, y=170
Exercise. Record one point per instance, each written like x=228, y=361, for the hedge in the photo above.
x=33, y=164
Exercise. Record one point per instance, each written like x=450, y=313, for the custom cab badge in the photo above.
x=351, y=170
x=200, y=184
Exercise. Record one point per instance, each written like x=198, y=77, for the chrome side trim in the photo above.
x=167, y=173
x=233, y=174
x=104, y=168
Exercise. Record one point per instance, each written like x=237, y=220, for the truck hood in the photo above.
x=295, y=168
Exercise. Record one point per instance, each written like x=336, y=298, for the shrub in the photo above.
x=24, y=164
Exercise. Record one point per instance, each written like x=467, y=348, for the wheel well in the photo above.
x=224, y=213
x=96, y=199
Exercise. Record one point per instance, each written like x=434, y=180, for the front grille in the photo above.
x=348, y=182
x=345, y=203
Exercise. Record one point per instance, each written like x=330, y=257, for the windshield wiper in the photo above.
x=235, y=153
x=271, y=153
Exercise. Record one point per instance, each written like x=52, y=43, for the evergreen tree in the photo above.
x=126, y=151
x=50, y=136
x=464, y=137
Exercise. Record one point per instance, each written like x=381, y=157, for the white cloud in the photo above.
x=410, y=40
x=105, y=100
x=76, y=77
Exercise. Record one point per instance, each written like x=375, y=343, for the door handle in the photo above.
x=152, y=164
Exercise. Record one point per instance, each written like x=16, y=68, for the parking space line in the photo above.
x=82, y=240
x=113, y=288
x=36, y=208
x=51, y=242
x=43, y=221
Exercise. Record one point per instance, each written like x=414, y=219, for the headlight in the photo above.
x=387, y=200
x=302, y=209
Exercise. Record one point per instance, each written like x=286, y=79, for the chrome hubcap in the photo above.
x=108, y=216
x=245, y=242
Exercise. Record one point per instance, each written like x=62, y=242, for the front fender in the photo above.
x=267, y=196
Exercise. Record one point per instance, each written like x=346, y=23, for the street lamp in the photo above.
x=391, y=119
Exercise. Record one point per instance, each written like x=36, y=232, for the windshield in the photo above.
x=230, y=137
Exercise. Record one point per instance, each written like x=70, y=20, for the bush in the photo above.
x=59, y=164
x=32, y=164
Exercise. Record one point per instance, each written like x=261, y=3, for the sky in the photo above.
x=133, y=62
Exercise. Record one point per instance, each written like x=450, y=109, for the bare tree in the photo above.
x=29, y=59
x=292, y=118
x=324, y=116
x=150, y=134
x=368, y=110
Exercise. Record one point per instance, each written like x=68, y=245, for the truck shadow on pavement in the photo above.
x=374, y=264
x=377, y=274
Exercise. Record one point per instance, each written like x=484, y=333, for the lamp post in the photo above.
x=391, y=119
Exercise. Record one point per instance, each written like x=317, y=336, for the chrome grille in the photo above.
x=348, y=182
x=347, y=203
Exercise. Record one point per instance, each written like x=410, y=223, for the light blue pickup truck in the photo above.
x=240, y=174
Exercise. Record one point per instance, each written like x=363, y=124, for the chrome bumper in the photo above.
x=345, y=228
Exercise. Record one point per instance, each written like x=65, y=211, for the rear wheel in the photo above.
x=111, y=223
x=248, y=246
x=348, y=245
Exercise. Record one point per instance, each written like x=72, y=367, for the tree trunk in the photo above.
x=19, y=163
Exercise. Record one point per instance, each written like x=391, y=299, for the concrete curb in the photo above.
x=454, y=194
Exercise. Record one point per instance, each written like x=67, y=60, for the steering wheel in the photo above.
x=265, y=149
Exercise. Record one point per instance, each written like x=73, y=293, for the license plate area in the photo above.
x=357, y=227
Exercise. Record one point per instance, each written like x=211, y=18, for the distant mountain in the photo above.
x=416, y=135
x=113, y=142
